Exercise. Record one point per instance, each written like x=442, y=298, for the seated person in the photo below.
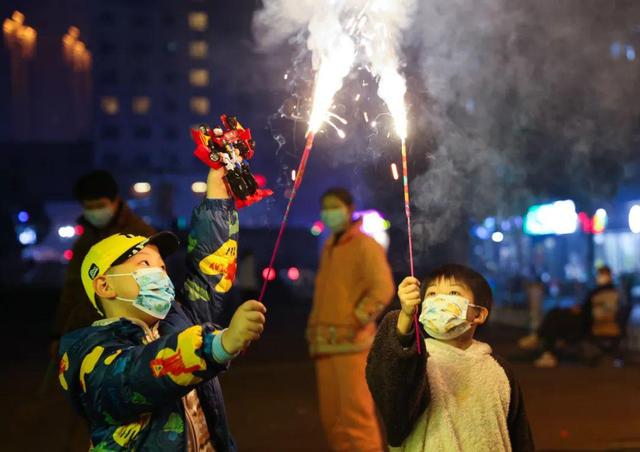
x=596, y=318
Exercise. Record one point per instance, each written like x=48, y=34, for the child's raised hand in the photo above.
x=246, y=325
x=409, y=294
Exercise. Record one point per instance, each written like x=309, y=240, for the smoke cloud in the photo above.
x=510, y=101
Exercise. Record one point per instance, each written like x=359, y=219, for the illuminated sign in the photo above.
x=556, y=218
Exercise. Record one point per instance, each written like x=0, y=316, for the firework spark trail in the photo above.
x=387, y=19
x=283, y=223
x=333, y=53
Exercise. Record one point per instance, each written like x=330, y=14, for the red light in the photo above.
x=79, y=229
x=269, y=275
x=293, y=274
x=261, y=180
x=317, y=228
x=68, y=254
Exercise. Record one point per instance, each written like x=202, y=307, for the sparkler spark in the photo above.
x=333, y=55
x=394, y=171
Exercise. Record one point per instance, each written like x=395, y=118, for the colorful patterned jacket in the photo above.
x=130, y=392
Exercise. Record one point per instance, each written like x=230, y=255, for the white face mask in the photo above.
x=445, y=316
x=156, y=291
x=99, y=217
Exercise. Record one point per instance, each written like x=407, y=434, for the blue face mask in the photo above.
x=336, y=220
x=156, y=291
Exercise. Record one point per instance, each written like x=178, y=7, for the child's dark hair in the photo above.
x=342, y=194
x=604, y=270
x=482, y=294
x=95, y=185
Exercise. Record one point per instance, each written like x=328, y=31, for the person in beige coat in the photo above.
x=353, y=286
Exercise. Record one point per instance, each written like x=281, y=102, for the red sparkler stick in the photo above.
x=283, y=223
x=407, y=211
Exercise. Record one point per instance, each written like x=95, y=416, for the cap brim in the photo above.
x=166, y=241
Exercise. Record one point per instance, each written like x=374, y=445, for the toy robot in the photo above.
x=230, y=147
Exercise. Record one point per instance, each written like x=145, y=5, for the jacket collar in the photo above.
x=347, y=235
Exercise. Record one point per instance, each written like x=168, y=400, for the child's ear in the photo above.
x=481, y=316
x=103, y=288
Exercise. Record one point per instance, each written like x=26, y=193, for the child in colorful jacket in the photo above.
x=455, y=395
x=145, y=376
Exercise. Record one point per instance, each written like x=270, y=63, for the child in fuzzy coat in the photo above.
x=455, y=395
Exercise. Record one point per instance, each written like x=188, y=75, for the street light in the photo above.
x=75, y=51
x=20, y=38
x=21, y=42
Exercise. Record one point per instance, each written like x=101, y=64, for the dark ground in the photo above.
x=270, y=392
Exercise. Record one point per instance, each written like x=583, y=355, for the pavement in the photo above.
x=270, y=391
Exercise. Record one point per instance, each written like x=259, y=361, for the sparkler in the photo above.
x=377, y=27
x=333, y=56
x=381, y=45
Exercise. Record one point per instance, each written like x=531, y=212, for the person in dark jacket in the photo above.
x=454, y=395
x=104, y=214
x=145, y=376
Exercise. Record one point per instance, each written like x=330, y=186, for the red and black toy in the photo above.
x=230, y=147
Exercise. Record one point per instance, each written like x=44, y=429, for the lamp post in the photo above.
x=21, y=41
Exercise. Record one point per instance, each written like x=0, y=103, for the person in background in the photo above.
x=353, y=286
x=104, y=213
x=596, y=318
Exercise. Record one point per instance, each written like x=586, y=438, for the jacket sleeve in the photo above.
x=211, y=259
x=396, y=375
x=119, y=382
x=379, y=284
x=517, y=421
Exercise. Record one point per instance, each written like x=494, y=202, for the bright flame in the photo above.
x=333, y=54
x=381, y=42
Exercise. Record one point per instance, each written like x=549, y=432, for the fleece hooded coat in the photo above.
x=447, y=398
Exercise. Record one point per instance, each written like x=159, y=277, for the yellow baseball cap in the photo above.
x=116, y=249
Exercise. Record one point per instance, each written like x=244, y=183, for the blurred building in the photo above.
x=153, y=79
x=46, y=82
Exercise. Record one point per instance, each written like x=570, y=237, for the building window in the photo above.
x=141, y=105
x=171, y=105
x=168, y=19
x=109, y=77
x=200, y=105
x=171, y=48
x=109, y=105
x=198, y=49
x=140, y=77
x=171, y=78
x=142, y=132
x=110, y=132
x=198, y=21
x=199, y=77
x=171, y=133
